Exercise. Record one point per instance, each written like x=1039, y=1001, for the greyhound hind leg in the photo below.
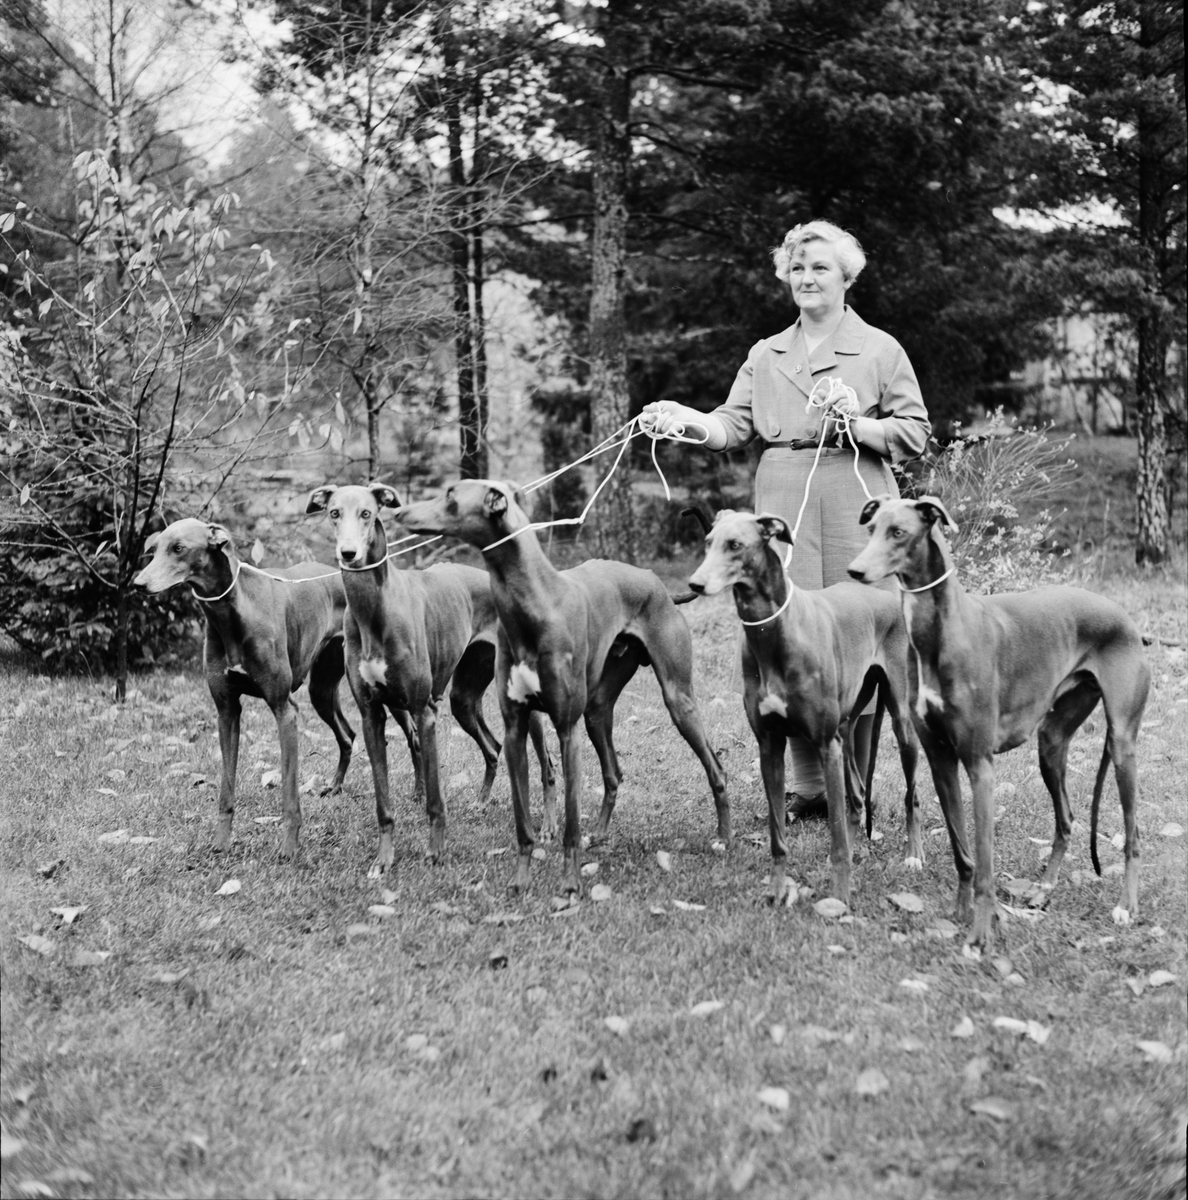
x=324, y=677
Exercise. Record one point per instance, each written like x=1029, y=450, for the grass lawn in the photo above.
x=284, y=1041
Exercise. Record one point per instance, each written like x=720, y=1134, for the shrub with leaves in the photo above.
x=995, y=485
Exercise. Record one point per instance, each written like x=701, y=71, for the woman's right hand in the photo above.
x=668, y=417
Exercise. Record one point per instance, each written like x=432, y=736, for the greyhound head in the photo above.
x=188, y=551
x=479, y=511
x=737, y=550
x=354, y=512
x=900, y=531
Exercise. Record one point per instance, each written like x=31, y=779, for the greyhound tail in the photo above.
x=880, y=708
x=1097, y=785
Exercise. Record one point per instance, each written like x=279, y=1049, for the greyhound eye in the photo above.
x=895, y=532
x=734, y=544
x=365, y=514
x=334, y=514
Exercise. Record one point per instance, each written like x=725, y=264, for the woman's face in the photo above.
x=816, y=279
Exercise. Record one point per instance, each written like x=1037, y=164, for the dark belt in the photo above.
x=803, y=444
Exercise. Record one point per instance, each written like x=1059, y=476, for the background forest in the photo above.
x=251, y=246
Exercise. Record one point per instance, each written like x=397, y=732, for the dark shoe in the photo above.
x=803, y=808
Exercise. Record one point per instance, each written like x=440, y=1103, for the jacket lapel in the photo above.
x=790, y=358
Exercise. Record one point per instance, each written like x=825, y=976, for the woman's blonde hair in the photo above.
x=849, y=254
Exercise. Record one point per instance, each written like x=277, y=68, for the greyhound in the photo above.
x=987, y=671
x=409, y=636
x=569, y=642
x=265, y=632
x=810, y=661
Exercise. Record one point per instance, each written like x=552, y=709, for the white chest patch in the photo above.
x=522, y=682
x=771, y=703
x=374, y=671
x=237, y=669
x=926, y=697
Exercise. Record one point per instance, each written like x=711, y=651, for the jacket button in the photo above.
x=775, y=431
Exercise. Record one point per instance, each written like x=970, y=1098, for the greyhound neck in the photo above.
x=936, y=578
x=522, y=559
x=228, y=578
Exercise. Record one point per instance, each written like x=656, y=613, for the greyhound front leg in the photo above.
x=571, y=841
x=839, y=818
x=945, y=777
x=286, y=728
x=548, y=777
x=435, y=804
x=985, y=904
x=771, y=766
x=372, y=712
x=228, y=706
x=515, y=749
x=409, y=728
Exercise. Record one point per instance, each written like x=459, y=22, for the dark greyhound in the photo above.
x=569, y=641
x=810, y=661
x=266, y=631
x=410, y=636
x=987, y=671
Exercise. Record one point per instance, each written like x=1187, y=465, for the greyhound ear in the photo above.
x=495, y=502
x=385, y=496
x=774, y=527
x=218, y=537
x=518, y=496
x=871, y=507
x=319, y=498
x=932, y=510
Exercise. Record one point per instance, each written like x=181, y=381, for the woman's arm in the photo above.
x=680, y=418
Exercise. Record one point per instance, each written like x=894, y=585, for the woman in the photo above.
x=769, y=400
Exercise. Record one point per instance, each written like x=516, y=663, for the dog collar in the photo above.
x=927, y=585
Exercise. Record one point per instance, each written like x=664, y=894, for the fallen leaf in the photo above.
x=70, y=915
x=910, y=1044
x=1160, y=978
x=835, y=949
x=10, y=1146
x=946, y=929
x=743, y=1173
x=1137, y=986
x=229, y=888
x=104, y=792
x=358, y=930
x=387, y=896
x=600, y=892
x=706, y=1007
x=1156, y=1051
x=270, y=779
x=498, y=852
x=115, y=837
x=992, y=1106
x=688, y=906
x=71, y=1175
x=1010, y=1024
x=829, y=907
x=503, y=918
x=1172, y=830
x=872, y=1082
x=778, y=1033
x=381, y=910
x=1004, y=966
x=416, y=1042
x=34, y=941
x=169, y=976
x=25, y=1093
x=618, y=1025
x=916, y=986
x=539, y=854
x=589, y=870
x=776, y=1098
x=963, y=1029
x=664, y=860
x=1038, y=1033
x=266, y=820
x=908, y=901
x=90, y=958
x=34, y=1187
x=658, y=910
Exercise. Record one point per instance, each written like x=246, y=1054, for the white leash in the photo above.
x=642, y=424
x=242, y=566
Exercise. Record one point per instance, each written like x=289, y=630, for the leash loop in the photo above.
x=212, y=599
x=787, y=598
x=927, y=586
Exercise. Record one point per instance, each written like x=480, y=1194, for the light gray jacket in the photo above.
x=772, y=387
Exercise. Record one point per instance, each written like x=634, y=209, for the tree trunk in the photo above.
x=614, y=515
x=468, y=417
x=122, y=622
x=482, y=401
x=1150, y=377
x=375, y=404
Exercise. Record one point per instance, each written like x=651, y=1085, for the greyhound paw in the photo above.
x=1120, y=915
x=1041, y=897
x=288, y=848
x=377, y=869
x=912, y=863
x=334, y=789
x=718, y=847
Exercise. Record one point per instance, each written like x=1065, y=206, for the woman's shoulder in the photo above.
x=859, y=336
x=781, y=342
